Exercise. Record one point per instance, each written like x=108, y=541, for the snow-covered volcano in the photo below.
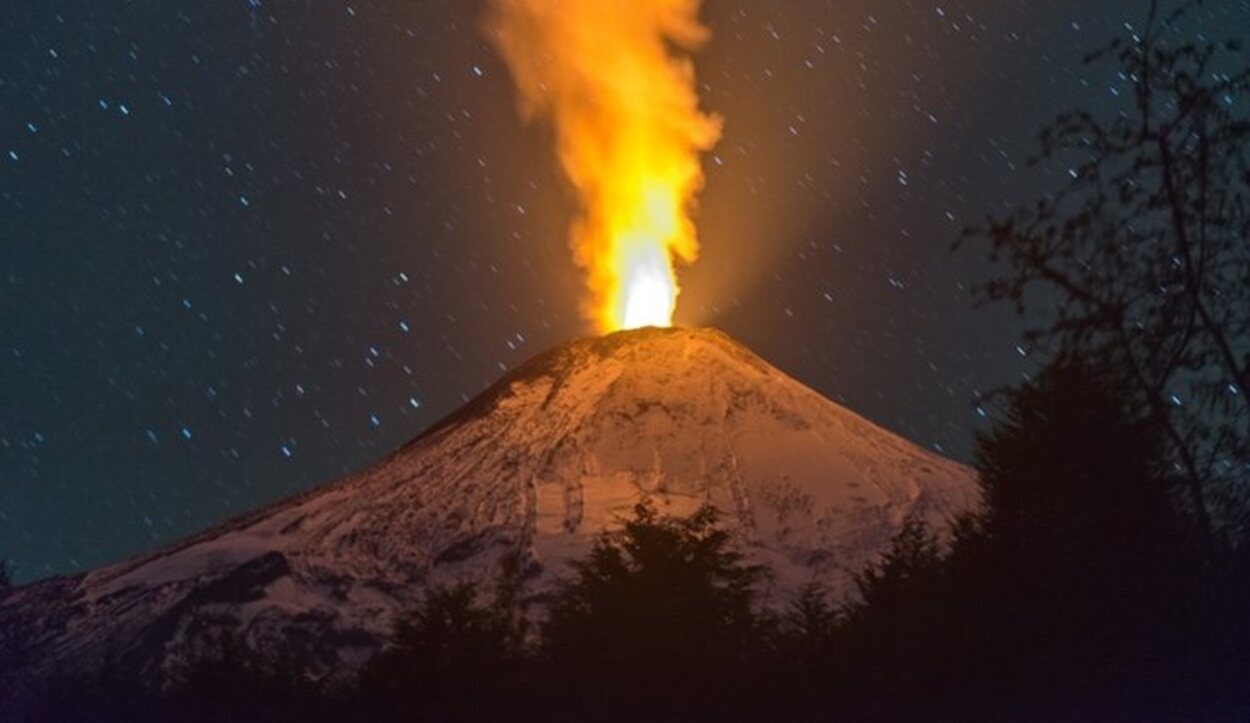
x=529, y=471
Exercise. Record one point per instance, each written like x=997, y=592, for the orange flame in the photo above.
x=615, y=81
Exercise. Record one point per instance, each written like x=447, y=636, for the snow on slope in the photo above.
x=531, y=470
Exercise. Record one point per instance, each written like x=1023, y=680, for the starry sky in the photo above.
x=251, y=245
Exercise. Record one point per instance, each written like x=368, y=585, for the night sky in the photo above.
x=249, y=246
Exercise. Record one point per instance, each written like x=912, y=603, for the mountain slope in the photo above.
x=529, y=472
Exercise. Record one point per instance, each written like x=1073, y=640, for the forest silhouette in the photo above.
x=1105, y=575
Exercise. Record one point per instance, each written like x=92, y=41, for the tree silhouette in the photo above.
x=912, y=562
x=808, y=627
x=229, y=682
x=1142, y=261
x=451, y=658
x=658, y=616
x=1077, y=586
x=1076, y=472
x=1082, y=558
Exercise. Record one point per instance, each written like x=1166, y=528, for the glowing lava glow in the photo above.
x=648, y=294
x=615, y=81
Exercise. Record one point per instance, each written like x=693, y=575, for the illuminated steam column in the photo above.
x=615, y=82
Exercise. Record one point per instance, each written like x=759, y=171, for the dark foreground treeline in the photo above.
x=1106, y=578
x=1082, y=590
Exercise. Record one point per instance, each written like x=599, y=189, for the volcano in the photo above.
x=525, y=475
